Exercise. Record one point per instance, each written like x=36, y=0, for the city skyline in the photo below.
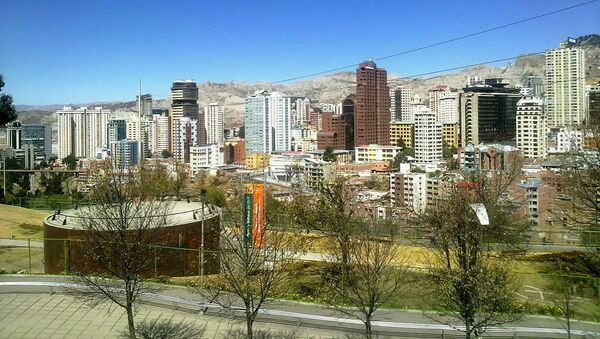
x=114, y=59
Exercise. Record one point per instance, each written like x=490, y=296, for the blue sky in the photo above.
x=83, y=51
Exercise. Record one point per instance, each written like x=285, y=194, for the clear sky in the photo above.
x=56, y=52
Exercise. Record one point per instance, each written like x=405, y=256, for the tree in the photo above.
x=448, y=150
x=70, y=161
x=470, y=284
x=166, y=154
x=8, y=112
x=375, y=274
x=328, y=155
x=249, y=275
x=121, y=222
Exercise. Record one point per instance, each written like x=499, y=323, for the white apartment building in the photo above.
x=448, y=103
x=185, y=135
x=565, y=85
x=214, y=115
x=81, y=131
x=203, y=157
x=374, y=152
x=532, y=137
x=409, y=189
x=300, y=110
x=567, y=140
x=268, y=123
x=161, y=133
x=428, y=136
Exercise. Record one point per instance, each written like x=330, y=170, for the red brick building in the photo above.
x=332, y=132
x=372, y=105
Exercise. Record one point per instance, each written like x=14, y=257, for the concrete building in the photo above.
x=374, y=152
x=428, y=137
x=416, y=105
x=145, y=105
x=409, y=190
x=184, y=95
x=268, y=123
x=348, y=106
x=565, y=85
x=161, y=133
x=257, y=161
x=435, y=95
x=401, y=97
x=124, y=154
x=450, y=136
x=489, y=157
x=402, y=132
x=235, y=151
x=81, y=131
x=447, y=106
x=214, y=115
x=488, y=113
x=185, y=136
x=204, y=157
x=14, y=129
x=372, y=105
x=532, y=137
x=593, y=104
x=301, y=110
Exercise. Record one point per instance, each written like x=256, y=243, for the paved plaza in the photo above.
x=62, y=316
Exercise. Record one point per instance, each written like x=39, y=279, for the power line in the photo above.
x=462, y=37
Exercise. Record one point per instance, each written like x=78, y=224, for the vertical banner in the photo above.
x=247, y=210
x=258, y=219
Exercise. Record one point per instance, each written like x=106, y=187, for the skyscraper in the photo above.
x=488, y=113
x=348, y=116
x=268, y=122
x=428, y=136
x=81, y=131
x=214, y=116
x=184, y=95
x=531, y=128
x=402, y=99
x=372, y=106
x=565, y=85
x=145, y=104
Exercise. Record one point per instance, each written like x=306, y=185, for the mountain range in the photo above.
x=333, y=88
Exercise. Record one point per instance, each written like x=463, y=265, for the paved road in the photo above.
x=310, y=315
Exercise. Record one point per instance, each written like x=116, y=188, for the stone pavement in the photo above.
x=62, y=316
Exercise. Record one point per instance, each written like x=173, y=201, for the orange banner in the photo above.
x=258, y=220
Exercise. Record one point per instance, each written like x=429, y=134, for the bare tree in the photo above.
x=375, y=273
x=249, y=275
x=119, y=226
x=470, y=283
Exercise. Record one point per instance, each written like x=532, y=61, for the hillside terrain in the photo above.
x=333, y=88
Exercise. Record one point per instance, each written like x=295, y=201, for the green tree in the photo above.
x=448, y=150
x=70, y=161
x=166, y=154
x=8, y=112
x=328, y=155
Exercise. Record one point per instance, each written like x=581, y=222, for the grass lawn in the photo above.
x=21, y=222
x=16, y=259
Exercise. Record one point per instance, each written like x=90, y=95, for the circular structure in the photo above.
x=368, y=64
x=176, y=249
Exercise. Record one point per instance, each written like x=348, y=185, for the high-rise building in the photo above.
x=565, y=85
x=416, y=105
x=185, y=136
x=372, y=105
x=161, y=131
x=348, y=115
x=333, y=131
x=300, y=110
x=81, y=131
x=593, y=104
x=14, y=129
x=447, y=107
x=428, y=136
x=184, y=95
x=402, y=97
x=125, y=154
x=145, y=104
x=268, y=123
x=409, y=189
x=117, y=130
x=39, y=138
x=434, y=97
x=450, y=136
x=214, y=115
x=488, y=113
x=531, y=128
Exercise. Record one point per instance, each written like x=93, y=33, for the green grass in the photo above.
x=16, y=259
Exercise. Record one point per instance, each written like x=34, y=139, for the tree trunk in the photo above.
x=467, y=330
x=249, y=322
x=368, y=328
x=130, y=321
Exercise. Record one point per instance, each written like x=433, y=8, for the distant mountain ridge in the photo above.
x=333, y=88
